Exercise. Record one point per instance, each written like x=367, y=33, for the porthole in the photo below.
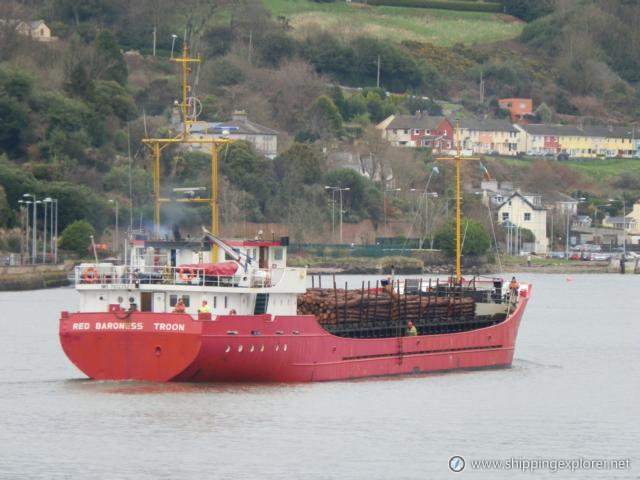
x=120, y=299
x=251, y=349
x=239, y=348
x=262, y=348
x=284, y=348
x=101, y=297
x=131, y=299
x=277, y=347
x=228, y=349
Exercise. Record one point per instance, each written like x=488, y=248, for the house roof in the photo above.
x=524, y=199
x=488, y=125
x=559, y=197
x=581, y=131
x=245, y=127
x=417, y=121
x=626, y=220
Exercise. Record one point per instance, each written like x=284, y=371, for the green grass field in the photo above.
x=596, y=169
x=441, y=27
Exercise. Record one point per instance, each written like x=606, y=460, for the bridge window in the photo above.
x=173, y=299
x=277, y=253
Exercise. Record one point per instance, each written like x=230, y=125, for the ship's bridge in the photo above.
x=158, y=272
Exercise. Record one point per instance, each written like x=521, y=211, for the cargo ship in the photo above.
x=211, y=309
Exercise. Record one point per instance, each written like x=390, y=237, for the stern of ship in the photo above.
x=121, y=345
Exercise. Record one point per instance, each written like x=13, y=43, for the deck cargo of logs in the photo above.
x=382, y=312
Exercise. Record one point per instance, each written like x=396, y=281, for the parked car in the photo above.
x=555, y=255
x=575, y=256
x=600, y=257
x=562, y=157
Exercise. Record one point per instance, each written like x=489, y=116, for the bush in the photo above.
x=468, y=6
x=77, y=237
x=528, y=10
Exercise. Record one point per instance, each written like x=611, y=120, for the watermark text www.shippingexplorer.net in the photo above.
x=457, y=464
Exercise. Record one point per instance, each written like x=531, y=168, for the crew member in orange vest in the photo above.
x=514, y=285
x=179, y=308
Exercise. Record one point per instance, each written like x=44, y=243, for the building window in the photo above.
x=277, y=253
x=527, y=217
x=416, y=131
x=505, y=216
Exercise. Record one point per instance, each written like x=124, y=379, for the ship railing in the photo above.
x=102, y=274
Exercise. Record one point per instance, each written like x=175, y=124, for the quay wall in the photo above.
x=31, y=277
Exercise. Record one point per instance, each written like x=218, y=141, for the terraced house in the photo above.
x=419, y=130
x=488, y=136
x=577, y=141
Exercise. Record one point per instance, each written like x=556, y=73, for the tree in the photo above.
x=7, y=217
x=77, y=237
x=275, y=47
x=476, y=238
x=324, y=119
x=111, y=98
x=528, y=10
x=302, y=163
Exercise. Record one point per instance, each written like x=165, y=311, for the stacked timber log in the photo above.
x=380, y=306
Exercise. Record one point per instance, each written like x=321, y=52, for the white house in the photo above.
x=526, y=211
x=264, y=139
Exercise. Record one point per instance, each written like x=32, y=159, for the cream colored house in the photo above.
x=577, y=141
x=38, y=30
x=489, y=136
x=635, y=215
x=526, y=211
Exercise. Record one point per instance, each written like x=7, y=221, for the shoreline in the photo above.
x=33, y=277
x=332, y=267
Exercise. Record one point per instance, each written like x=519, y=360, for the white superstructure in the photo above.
x=159, y=273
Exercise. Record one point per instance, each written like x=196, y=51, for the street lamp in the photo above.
x=26, y=237
x=173, y=42
x=33, y=232
x=384, y=206
x=44, y=232
x=333, y=212
x=52, y=222
x=338, y=189
x=426, y=196
x=54, y=244
x=116, y=248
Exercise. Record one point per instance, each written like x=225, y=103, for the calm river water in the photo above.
x=572, y=392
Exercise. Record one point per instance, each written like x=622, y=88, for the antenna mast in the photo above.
x=458, y=164
x=189, y=113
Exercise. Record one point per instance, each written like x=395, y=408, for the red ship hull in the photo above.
x=265, y=348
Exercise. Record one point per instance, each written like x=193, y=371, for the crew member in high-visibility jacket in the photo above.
x=412, y=331
x=204, y=308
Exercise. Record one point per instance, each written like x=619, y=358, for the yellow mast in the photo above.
x=458, y=164
x=156, y=145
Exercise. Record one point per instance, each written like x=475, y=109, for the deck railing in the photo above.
x=166, y=275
